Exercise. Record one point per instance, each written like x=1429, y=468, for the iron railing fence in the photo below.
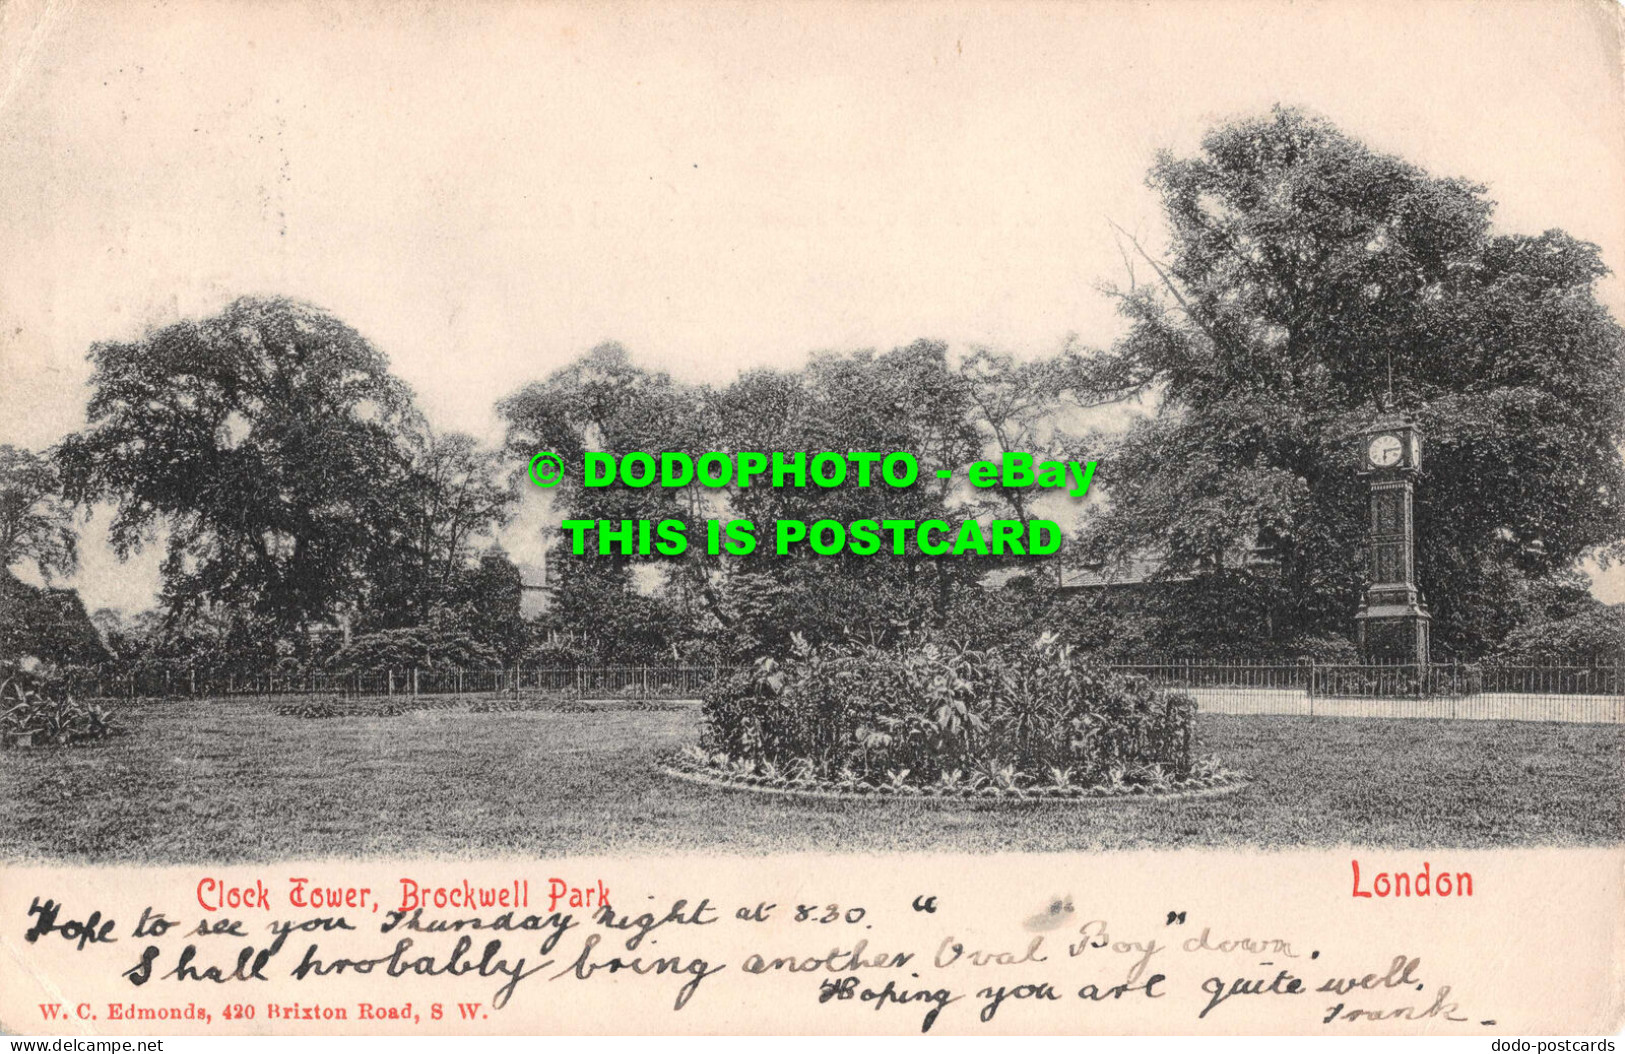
x=1386, y=679
x=1584, y=692
x=646, y=682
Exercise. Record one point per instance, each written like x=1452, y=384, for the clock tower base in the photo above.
x=1393, y=627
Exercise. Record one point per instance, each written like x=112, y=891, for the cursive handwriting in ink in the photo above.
x=583, y=968
x=91, y=931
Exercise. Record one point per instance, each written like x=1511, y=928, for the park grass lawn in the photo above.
x=233, y=781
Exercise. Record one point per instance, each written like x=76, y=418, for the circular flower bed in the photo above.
x=1011, y=723
x=1207, y=778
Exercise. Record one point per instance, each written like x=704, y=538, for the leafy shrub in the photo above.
x=956, y=719
x=429, y=647
x=35, y=708
x=1592, y=636
x=555, y=655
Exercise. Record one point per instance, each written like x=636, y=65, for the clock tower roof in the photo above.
x=1391, y=420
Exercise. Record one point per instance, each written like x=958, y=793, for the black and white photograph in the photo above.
x=928, y=441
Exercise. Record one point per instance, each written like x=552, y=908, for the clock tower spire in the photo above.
x=1393, y=619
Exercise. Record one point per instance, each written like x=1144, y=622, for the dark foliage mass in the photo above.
x=47, y=623
x=265, y=439
x=1596, y=634
x=917, y=716
x=296, y=487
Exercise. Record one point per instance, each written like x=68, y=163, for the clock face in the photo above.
x=1385, y=451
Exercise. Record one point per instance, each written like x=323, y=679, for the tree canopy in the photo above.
x=1301, y=265
x=289, y=466
x=913, y=398
x=36, y=524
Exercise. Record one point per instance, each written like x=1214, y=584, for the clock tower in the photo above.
x=1393, y=619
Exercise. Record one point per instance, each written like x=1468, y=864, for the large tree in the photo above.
x=1303, y=269
x=605, y=402
x=906, y=399
x=36, y=524
x=454, y=497
x=914, y=398
x=268, y=442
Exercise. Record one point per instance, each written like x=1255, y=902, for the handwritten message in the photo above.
x=479, y=953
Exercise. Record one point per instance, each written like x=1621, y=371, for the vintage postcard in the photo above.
x=812, y=518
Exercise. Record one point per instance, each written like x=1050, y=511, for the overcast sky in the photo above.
x=488, y=191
